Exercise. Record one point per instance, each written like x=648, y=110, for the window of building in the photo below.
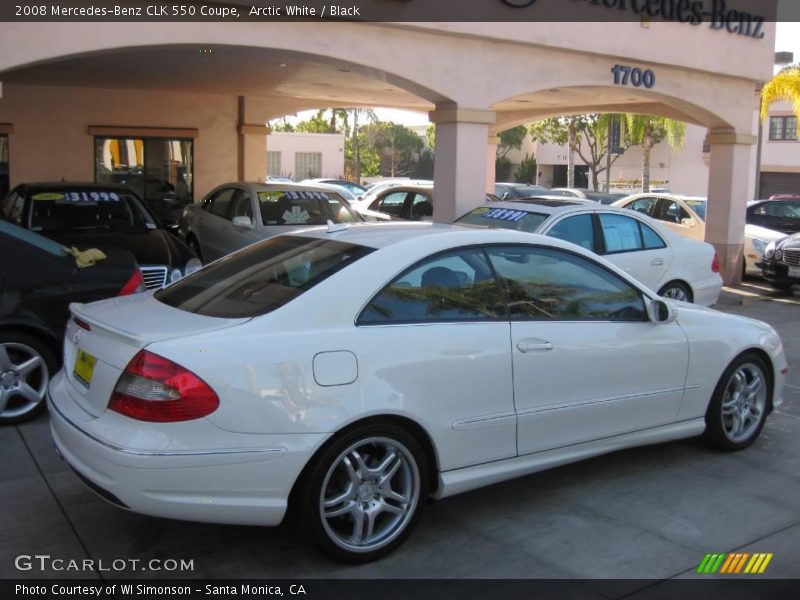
x=273, y=164
x=159, y=170
x=307, y=165
x=4, y=176
x=783, y=128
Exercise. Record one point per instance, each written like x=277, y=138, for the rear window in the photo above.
x=288, y=207
x=262, y=277
x=57, y=210
x=504, y=218
x=34, y=239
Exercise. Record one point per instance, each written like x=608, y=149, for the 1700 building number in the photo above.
x=634, y=76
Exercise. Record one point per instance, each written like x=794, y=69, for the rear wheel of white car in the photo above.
x=361, y=496
x=739, y=406
x=676, y=290
x=25, y=368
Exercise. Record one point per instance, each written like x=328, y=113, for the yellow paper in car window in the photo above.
x=48, y=196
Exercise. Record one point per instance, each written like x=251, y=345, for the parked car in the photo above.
x=365, y=199
x=779, y=214
x=38, y=280
x=510, y=191
x=781, y=262
x=686, y=215
x=102, y=215
x=288, y=374
x=586, y=194
x=679, y=268
x=234, y=215
x=354, y=188
x=401, y=202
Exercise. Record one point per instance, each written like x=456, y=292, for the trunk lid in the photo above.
x=118, y=328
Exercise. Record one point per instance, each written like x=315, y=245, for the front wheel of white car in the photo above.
x=739, y=406
x=361, y=496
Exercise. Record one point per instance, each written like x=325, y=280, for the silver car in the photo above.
x=235, y=215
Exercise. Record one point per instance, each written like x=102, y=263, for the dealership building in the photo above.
x=187, y=103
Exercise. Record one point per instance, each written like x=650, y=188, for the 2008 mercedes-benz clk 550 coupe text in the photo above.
x=349, y=372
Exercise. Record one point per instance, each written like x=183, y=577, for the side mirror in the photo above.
x=660, y=311
x=243, y=222
x=687, y=222
x=171, y=225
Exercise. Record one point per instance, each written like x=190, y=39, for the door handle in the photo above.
x=541, y=346
x=657, y=262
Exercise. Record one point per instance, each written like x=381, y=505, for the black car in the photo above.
x=38, y=280
x=781, y=262
x=778, y=214
x=511, y=191
x=101, y=215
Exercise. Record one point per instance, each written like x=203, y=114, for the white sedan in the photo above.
x=679, y=268
x=350, y=372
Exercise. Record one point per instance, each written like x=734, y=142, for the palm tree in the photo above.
x=369, y=115
x=648, y=130
x=784, y=86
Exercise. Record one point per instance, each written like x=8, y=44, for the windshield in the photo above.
x=699, y=207
x=289, y=207
x=525, y=190
x=90, y=209
x=261, y=277
x=504, y=218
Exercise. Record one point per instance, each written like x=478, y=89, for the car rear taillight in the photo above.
x=134, y=284
x=153, y=388
x=715, y=264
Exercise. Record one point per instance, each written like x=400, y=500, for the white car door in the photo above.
x=587, y=361
x=436, y=341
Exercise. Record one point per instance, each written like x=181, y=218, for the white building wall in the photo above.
x=330, y=145
x=779, y=156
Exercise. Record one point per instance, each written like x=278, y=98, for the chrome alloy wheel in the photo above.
x=744, y=402
x=369, y=494
x=23, y=379
x=676, y=292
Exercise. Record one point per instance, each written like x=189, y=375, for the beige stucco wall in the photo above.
x=780, y=156
x=51, y=138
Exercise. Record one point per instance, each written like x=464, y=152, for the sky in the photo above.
x=787, y=39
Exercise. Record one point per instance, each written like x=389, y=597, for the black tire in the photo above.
x=19, y=347
x=675, y=289
x=718, y=425
x=326, y=475
x=194, y=246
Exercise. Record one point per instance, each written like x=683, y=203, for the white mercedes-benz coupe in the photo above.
x=348, y=373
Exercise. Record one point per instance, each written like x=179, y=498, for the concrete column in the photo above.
x=252, y=146
x=460, y=171
x=729, y=186
x=491, y=159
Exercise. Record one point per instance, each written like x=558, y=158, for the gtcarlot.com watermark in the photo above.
x=48, y=563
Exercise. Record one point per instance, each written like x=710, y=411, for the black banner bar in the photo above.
x=725, y=15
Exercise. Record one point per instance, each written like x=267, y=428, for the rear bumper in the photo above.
x=245, y=485
x=706, y=292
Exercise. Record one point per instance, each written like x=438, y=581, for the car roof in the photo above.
x=669, y=196
x=554, y=202
x=381, y=235
x=556, y=208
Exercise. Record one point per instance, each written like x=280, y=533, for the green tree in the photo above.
x=526, y=171
x=647, y=131
x=584, y=135
x=784, y=86
x=430, y=135
x=316, y=124
x=397, y=146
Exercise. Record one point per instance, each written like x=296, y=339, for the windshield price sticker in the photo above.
x=505, y=214
x=61, y=198
x=306, y=195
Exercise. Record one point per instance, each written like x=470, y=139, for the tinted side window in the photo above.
x=545, y=284
x=669, y=211
x=421, y=207
x=14, y=207
x=621, y=234
x=578, y=230
x=391, y=204
x=220, y=203
x=455, y=286
x=643, y=205
x=242, y=205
